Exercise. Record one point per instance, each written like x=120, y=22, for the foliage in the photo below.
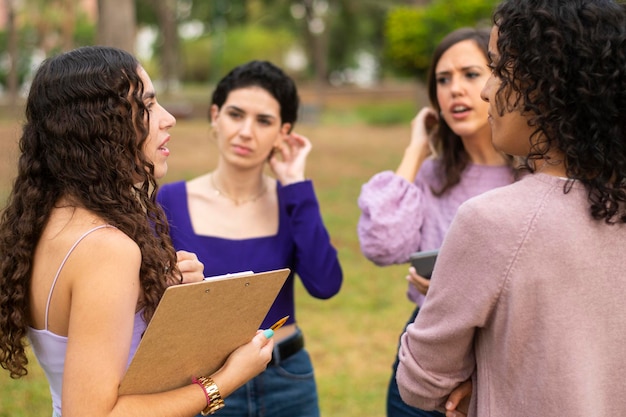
x=359, y=24
x=406, y=39
x=145, y=12
x=29, y=40
x=402, y=37
x=84, y=32
x=351, y=26
x=385, y=115
x=209, y=57
x=23, y=61
x=412, y=33
x=196, y=59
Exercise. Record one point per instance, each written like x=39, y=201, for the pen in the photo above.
x=279, y=323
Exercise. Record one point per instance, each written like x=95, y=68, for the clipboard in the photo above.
x=197, y=326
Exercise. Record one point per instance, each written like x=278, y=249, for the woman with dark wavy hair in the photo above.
x=411, y=208
x=85, y=250
x=527, y=299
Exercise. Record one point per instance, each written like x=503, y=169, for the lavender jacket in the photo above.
x=399, y=217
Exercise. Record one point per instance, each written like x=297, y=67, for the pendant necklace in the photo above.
x=235, y=201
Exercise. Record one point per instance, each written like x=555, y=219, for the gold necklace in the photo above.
x=235, y=201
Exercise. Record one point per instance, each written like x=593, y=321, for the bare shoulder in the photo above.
x=106, y=246
x=112, y=240
x=93, y=264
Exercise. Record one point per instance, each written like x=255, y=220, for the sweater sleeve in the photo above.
x=437, y=350
x=391, y=218
x=316, y=261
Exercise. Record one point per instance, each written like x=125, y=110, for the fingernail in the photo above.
x=268, y=333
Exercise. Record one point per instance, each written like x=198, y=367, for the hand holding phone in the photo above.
x=424, y=262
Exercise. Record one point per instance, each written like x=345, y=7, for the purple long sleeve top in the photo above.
x=301, y=244
x=399, y=217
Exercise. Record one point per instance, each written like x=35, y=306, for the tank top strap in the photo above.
x=56, y=277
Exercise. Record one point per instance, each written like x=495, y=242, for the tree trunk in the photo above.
x=317, y=41
x=12, y=76
x=68, y=25
x=166, y=13
x=117, y=24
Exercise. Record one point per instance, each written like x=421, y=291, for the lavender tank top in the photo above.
x=50, y=348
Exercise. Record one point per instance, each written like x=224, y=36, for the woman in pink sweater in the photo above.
x=527, y=297
x=411, y=209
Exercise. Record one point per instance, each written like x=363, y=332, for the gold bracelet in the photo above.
x=212, y=392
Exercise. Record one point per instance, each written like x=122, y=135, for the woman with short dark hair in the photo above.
x=257, y=211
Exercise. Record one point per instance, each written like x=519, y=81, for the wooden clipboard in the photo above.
x=195, y=328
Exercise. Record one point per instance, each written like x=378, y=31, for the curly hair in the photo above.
x=269, y=77
x=563, y=63
x=85, y=128
x=454, y=158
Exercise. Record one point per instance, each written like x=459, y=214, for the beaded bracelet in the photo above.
x=211, y=392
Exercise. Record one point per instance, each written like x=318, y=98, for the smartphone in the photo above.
x=424, y=262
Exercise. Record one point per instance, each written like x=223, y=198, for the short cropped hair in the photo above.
x=269, y=77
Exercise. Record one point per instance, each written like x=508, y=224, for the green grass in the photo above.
x=25, y=397
x=352, y=337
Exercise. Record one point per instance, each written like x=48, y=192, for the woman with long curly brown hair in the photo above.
x=527, y=299
x=411, y=208
x=85, y=250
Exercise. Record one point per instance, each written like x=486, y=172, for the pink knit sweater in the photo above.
x=528, y=299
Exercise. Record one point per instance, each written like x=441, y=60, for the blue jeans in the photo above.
x=395, y=406
x=287, y=389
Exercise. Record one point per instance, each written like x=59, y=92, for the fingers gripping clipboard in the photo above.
x=195, y=328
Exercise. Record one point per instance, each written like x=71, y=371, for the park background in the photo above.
x=360, y=67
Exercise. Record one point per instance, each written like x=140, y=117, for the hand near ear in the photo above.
x=288, y=160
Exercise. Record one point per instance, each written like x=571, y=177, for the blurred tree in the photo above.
x=68, y=23
x=331, y=32
x=13, y=54
x=360, y=26
x=252, y=42
x=166, y=11
x=407, y=40
x=228, y=23
x=117, y=24
x=145, y=12
x=413, y=32
x=54, y=22
x=336, y=32
x=36, y=29
x=316, y=15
